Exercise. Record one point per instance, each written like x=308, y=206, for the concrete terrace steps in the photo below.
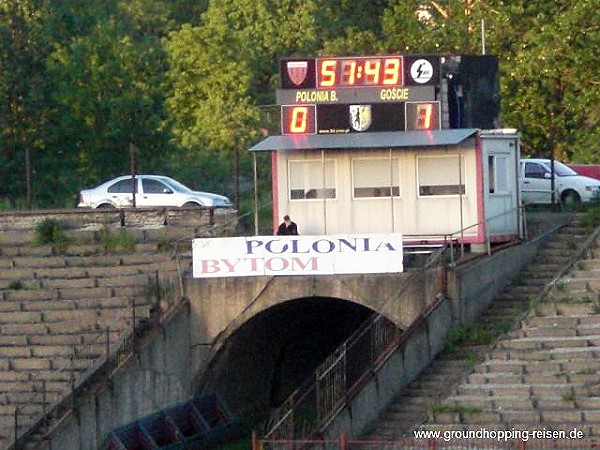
x=546, y=373
x=473, y=386
x=59, y=311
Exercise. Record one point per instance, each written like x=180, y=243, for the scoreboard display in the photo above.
x=359, y=94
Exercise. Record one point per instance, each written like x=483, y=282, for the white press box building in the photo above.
x=459, y=184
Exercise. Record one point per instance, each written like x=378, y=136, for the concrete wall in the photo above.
x=473, y=286
x=220, y=306
x=20, y=226
x=156, y=377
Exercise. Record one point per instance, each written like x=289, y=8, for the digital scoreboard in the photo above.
x=359, y=94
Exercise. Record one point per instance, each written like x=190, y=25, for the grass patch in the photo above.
x=16, y=285
x=468, y=334
x=462, y=409
x=50, y=232
x=165, y=245
x=569, y=396
x=502, y=326
x=115, y=242
x=591, y=217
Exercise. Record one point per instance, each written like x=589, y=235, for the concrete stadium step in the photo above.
x=17, y=237
x=30, y=386
x=485, y=402
x=18, y=273
x=38, y=262
x=20, y=317
x=510, y=378
x=76, y=339
x=23, y=329
x=541, y=362
x=554, y=256
x=526, y=390
x=564, y=244
x=132, y=269
x=549, y=342
x=94, y=324
x=451, y=417
x=585, y=283
x=25, y=295
x=27, y=284
x=546, y=355
x=588, y=265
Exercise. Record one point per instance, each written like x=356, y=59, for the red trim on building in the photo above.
x=275, y=184
x=481, y=168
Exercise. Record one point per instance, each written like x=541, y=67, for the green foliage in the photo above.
x=165, y=245
x=591, y=217
x=190, y=84
x=461, y=409
x=49, y=231
x=16, y=285
x=121, y=241
x=474, y=334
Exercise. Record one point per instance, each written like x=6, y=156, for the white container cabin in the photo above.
x=431, y=186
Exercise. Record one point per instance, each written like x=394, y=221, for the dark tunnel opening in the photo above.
x=271, y=355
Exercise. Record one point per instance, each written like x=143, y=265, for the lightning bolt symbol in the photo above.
x=420, y=70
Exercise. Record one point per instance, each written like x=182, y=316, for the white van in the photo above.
x=570, y=188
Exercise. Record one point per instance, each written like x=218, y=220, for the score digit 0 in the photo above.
x=298, y=119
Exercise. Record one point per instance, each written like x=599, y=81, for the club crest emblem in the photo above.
x=360, y=117
x=297, y=71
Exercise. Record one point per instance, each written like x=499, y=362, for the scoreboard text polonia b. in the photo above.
x=358, y=94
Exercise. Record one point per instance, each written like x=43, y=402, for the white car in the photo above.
x=152, y=191
x=570, y=188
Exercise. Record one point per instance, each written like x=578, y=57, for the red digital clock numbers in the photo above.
x=349, y=72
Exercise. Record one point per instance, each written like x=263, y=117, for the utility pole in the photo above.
x=132, y=165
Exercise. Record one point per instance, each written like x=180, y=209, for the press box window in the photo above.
x=312, y=179
x=440, y=175
x=375, y=178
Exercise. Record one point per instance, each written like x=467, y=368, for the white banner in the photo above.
x=297, y=255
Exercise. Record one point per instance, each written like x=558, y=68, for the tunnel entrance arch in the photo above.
x=274, y=352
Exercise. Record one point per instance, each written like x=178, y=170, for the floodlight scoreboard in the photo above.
x=359, y=94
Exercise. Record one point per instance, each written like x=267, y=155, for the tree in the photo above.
x=108, y=97
x=23, y=88
x=552, y=93
x=222, y=70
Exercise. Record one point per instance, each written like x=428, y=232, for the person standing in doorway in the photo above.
x=287, y=227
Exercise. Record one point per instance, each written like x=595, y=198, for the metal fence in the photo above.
x=317, y=402
x=345, y=443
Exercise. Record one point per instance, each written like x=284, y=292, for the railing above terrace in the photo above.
x=443, y=440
